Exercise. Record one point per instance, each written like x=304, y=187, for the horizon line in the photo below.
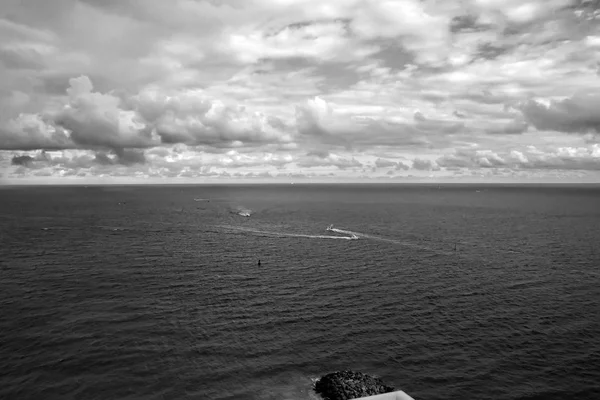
x=357, y=183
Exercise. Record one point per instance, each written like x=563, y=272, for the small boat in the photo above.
x=330, y=227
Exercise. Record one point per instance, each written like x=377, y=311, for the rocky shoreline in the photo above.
x=346, y=385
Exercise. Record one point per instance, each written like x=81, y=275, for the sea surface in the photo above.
x=156, y=292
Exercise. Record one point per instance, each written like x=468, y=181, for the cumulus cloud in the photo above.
x=567, y=158
x=330, y=160
x=233, y=159
x=127, y=157
x=322, y=40
x=424, y=165
x=22, y=160
x=95, y=119
x=340, y=126
x=78, y=159
x=514, y=127
x=285, y=88
x=33, y=131
x=318, y=121
x=194, y=118
x=402, y=166
x=519, y=11
x=383, y=163
x=438, y=126
x=578, y=114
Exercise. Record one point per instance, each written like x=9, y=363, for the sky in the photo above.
x=185, y=91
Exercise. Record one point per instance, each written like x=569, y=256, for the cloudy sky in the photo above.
x=289, y=90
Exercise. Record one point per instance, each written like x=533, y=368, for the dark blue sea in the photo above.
x=155, y=292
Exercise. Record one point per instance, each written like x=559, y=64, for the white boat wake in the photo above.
x=388, y=240
x=347, y=235
x=352, y=235
x=289, y=234
x=241, y=211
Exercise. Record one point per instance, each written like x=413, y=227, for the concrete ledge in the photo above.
x=398, y=395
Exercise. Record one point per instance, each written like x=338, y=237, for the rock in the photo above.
x=345, y=385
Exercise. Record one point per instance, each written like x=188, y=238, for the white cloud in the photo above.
x=312, y=160
x=320, y=40
x=263, y=88
x=578, y=114
x=564, y=158
x=424, y=165
x=95, y=119
x=383, y=163
x=32, y=131
x=519, y=11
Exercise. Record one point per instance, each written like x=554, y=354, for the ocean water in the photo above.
x=155, y=292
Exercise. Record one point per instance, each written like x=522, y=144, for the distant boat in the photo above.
x=352, y=235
